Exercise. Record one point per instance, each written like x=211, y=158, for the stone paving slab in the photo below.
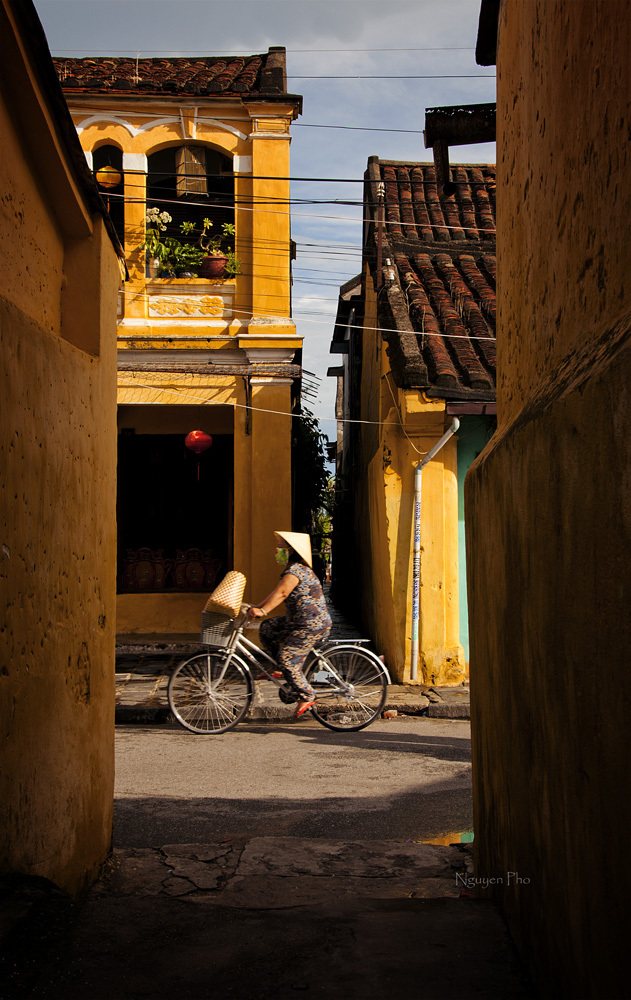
x=284, y=871
x=279, y=892
x=367, y=858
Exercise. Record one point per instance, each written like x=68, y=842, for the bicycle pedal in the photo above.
x=288, y=695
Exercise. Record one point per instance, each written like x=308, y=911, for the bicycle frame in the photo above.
x=253, y=654
x=240, y=646
x=211, y=692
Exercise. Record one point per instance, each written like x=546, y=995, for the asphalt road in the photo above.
x=237, y=898
x=405, y=778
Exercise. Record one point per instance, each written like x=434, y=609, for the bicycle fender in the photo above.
x=354, y=647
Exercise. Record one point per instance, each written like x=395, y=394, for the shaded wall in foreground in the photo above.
x=59, y=278
x=549, y=502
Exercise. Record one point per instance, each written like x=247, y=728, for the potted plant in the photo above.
x=170, y=257
x=156, y=250
x=217, y=260
x=181, y=260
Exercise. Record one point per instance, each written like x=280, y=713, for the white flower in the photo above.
x=155, y=219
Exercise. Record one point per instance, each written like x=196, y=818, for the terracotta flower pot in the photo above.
x=213, y=266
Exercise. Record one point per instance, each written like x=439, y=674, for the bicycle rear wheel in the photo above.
x=350, y=687
x=206, y=696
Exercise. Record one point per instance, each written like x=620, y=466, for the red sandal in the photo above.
x=304, y=706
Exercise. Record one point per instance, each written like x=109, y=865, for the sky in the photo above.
x=355, y=39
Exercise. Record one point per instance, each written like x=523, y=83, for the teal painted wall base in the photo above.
x=473, y=435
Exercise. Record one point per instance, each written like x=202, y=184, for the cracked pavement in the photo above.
x=288, y=871
x=273, y=860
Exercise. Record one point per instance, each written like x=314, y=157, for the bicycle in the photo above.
x=211, y=692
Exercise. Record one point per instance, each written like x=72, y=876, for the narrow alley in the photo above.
x=277, y=859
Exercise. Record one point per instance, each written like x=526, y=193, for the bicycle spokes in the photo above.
x=350, y=687
x=210, y=693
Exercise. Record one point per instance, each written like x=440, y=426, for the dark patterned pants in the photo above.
x=289, y=647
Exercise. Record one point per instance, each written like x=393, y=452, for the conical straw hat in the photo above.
x=227, y=595
x=300, y=543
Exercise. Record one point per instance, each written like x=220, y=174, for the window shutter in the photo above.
x=190, y=165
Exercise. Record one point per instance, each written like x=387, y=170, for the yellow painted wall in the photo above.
x=58, y=458
x=385, y=514
x=548, y=503
x=257, y=316
x=262, y=237
x=263, y=487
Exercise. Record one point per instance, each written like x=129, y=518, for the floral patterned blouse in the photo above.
x=306, y=606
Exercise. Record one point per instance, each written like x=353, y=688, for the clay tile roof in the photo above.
x=443, y=297
x=238, y=76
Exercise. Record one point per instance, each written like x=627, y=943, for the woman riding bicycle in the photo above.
x=290, y=637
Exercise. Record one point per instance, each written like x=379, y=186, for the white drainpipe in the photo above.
x=416, y=571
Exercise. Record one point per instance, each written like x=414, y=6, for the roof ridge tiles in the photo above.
x=443, y=248
x=259, y=74
x=430, y=163
x=470, y=311
x=460, y=348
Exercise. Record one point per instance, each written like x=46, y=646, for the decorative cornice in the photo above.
x=136, y=130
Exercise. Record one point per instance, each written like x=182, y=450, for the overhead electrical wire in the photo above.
x=360, y=128
x=128, y=110
x=301, y=215
x=248, y=52
x=269, y=199
x=282, y=413
x=324, y=249
x=255, y=409
x=310, y=312
x=425, y=76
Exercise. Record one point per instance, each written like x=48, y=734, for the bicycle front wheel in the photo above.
x=208, y=696
x=350, y=688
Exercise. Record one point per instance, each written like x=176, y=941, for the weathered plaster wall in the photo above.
x=549, y=502
x=563, y=162
x=57, y=585
x=57, y=497
x=56, y=604
x=385, y=522
x=473, y=436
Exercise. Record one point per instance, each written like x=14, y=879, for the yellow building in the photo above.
x=197, y=139
x=549, y=500
x=416, y=334
x=59, y=279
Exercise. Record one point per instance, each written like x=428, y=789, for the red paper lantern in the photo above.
x=198, y=441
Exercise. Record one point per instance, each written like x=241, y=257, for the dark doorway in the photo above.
x=174, y=513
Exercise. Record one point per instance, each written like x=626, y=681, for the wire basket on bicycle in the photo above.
x=217, y=628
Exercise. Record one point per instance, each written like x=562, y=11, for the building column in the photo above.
x=271, y=225
x=270, y=477
x=135, y=182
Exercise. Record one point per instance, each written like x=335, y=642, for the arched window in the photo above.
x=191, y=183
x=108, y=160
